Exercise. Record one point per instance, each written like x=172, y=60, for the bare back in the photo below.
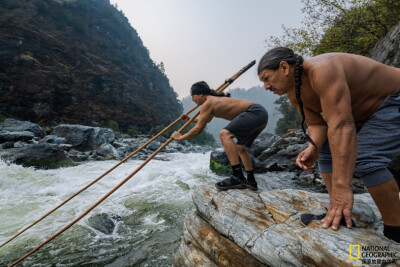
x=224, y=107
x=368, y=81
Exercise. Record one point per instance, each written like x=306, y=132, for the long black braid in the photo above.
x=272, y=59
x=298, y=71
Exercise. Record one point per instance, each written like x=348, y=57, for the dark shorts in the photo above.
x=248, y=125
x=378, y=141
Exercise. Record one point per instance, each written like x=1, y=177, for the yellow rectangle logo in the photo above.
x=352, y=249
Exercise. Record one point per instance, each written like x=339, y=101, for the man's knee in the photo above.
x=224, y=134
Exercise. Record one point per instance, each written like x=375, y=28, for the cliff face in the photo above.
x=79, y=62
x=387, y=49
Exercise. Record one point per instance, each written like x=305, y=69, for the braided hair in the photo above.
x=202, y=88
x=272, y=59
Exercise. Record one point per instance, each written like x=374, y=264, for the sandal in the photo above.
x=252, y=186
x=232, y=182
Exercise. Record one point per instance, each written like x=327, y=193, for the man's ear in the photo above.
x=284, y=66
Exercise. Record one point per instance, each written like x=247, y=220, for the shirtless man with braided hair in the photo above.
x=247, y=118
x=358, y=133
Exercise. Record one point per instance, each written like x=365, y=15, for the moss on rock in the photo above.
x=219, y=168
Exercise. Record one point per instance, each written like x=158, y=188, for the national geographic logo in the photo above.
x=373, y=254
x=355, y=248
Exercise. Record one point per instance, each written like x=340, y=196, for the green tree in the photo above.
x=291, y=118
x=352, y=26
x=113, y=125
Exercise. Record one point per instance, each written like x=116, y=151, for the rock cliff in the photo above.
x=79, y=62
x=387, y=50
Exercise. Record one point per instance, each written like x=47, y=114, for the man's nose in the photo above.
x=267, y=86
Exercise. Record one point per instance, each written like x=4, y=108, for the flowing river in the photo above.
x=148, y=209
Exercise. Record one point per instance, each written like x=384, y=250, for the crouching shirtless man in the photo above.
x=247, y=121
x=359, y=131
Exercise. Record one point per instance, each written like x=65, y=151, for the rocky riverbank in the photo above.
x=247, y=228
x=26, y=143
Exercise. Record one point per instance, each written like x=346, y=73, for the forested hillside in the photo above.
x=79, y=62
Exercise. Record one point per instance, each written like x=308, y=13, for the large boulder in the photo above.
x=264, y=229
x=107, y=151
x=8, y=136
x=263, y=140
x=84, y=138
x=196, y=250
x=11, y=125
x=37, y=155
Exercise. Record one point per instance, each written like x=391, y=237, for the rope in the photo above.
x=221, y=88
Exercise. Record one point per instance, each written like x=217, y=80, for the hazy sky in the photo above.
x=209, y=40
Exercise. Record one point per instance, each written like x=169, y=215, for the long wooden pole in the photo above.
x=100, y=177
x=105, y=196
x=221, y=88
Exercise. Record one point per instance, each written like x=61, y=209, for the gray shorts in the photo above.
x=248, y=125
x=378, y=141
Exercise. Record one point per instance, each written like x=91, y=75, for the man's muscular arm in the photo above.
x=205, y=117
x=329, y=81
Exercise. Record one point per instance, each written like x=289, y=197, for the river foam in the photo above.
x=150, y=207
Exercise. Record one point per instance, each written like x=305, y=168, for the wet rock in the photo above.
x=107, y=151
x=7, y=145
x=37, y=155
x=219, y=162
x=78, y=156
x=11, y=125
x=263, y=141
x=267, y=227
x=153, y=146
x=103, y=223
x=13, y=136
x=53, y=139
x=84, y=138
x=196, y=251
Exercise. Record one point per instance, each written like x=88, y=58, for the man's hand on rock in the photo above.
x=340, y=204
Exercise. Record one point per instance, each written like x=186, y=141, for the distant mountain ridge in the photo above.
x=256, y=94
x=79, y=62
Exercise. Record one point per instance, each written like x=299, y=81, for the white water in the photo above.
x=152, y=205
